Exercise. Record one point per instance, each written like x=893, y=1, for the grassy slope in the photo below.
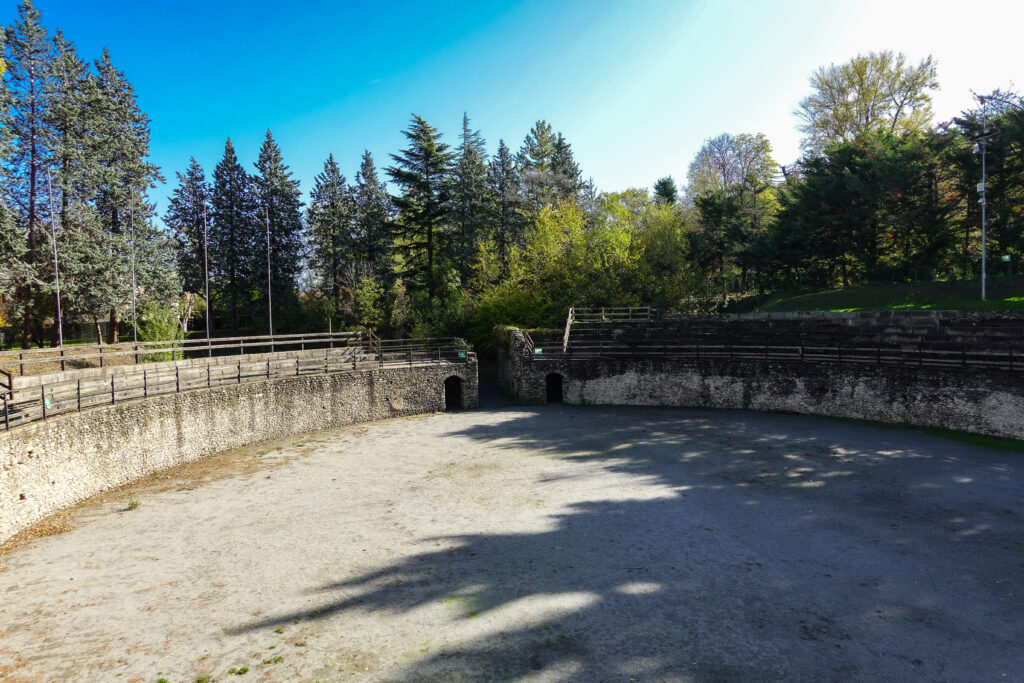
x=1003, y=294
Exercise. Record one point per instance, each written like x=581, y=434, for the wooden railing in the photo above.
x=100, y=355
x=58, y=395
x=878, y=354
x=609, y=315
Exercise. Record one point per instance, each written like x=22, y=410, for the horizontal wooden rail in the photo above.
x=100, y=354
x=879, y=354
x=53, y=398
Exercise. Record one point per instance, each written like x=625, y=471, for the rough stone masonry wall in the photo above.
x=50, y=465
x=969, y=400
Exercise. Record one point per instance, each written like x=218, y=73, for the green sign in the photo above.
x=537, y=352
x=1006, y=258
x=462, y=354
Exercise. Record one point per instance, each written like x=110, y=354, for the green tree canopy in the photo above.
x=876, y=91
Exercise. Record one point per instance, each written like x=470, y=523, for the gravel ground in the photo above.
x=541, y=544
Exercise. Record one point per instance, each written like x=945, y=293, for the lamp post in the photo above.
x=270, y=297
x=56, y=268
x=980, y=142
x=206, y=278
x=135, y=317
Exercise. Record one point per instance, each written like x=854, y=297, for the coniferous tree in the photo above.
x=470, y=196
x=422, y=173
x=534, y=159
x=508, y=209
x=373, y=218
x=188, y=216
x=29, y=60
x=568, y=180
x=279, y=201
x=235, y=236
x=549, y=172
x=665, y=190
x=74, y=115
x=12, y=236
x=331, y=217
x=125, y=174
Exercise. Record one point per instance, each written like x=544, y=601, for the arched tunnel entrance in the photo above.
x=553, y=387
x=453, y=394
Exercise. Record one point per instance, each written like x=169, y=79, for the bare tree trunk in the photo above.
x=112, y=331
x=99, y=332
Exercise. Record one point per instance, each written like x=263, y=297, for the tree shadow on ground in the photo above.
x=758, y=547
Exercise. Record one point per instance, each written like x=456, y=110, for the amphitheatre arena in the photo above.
x=732, y=498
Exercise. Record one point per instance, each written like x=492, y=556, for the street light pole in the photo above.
x=206, y=279
x=981, y=142
x=56, y=268
x=270, y=297
x=135, y=317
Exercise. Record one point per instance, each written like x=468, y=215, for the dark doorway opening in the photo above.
x=553, y=386
x=453, y=393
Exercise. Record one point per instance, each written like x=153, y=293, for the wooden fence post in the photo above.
x=112, y=396
x=42, y=397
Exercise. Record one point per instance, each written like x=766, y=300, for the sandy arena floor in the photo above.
x=541, y=544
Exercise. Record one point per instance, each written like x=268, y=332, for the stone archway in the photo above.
x=454, y=394
x=553, y=388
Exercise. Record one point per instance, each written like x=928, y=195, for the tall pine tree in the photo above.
x=235, y=237
x=422, y=173
x=509, y=217
x=331, y=218
x=280, y=204
x=188, y=216
x=373, y=218
x=125, y=175
x=29, y=61
x=470, y=197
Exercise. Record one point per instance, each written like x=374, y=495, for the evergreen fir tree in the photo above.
x=470, y=197
x=125, y=174
x=188, y=217
x=279, y=203
x=549, y=172
x=235, y=236
x=74, y=115
x=567, y=179
x=331, y=218
x=12, y=237
x=422, y=173
x=665, y=190
x=29, y=59
x=508, y=208
x=373, y=218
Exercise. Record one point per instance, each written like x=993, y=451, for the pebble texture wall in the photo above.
x=48, y=466
x=963, y=399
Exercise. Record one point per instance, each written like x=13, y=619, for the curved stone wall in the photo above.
x=983, y=402
x=50, y=465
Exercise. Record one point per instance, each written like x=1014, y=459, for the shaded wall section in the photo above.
x=983, y=402
x=48, y=466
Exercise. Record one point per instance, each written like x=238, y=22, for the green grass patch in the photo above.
x=1003, y=294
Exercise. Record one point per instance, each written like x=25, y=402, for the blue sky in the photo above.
x=635, y=86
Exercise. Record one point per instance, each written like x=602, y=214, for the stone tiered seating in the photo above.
x=943, y=335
